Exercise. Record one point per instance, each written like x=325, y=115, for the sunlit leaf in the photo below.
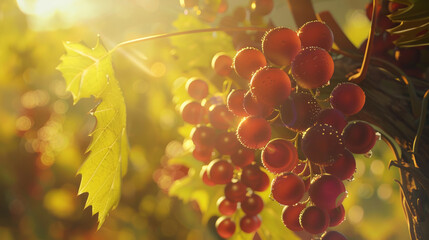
x=413, y=29
x=89, y=72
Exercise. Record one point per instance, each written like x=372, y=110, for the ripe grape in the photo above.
x=252, y=205
x=235, y=102
x=316, y=33
x=290, y=216
x=204, y=176
x=192, y=112
x=249, y=224
x=254, y=132
x=239, y=14
x=333, y=235
x=327, y=191
x=253, y=177
x=343, y=167
x=220, y=117
x=314, y=220
x=270, y=86
x=235, y=191
x=197, y=88
x=255, y=108
x=313, y=67
x=243, y=157
x=287, y=188
x=279, y=155
x=225, y=227
x=348, y=98
x=226, y=206
x=262, y=7
x=203, y=153
x=247, y=61
x=203, y=135
x=221, y=64
x=220, y=171
x=336, y=216
x=299, y=112
x=322, y=144
x=227, y=143
x=332, y=117
x=359, y=137
x=280, y=45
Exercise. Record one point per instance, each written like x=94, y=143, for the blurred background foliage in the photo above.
x=43, y=137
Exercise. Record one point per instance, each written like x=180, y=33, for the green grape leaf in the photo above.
x=413, y=29
x=85, y=69
x=89, y=72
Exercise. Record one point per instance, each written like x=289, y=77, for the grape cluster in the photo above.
x=226, y=161
x=308, y=169
x=412, y=60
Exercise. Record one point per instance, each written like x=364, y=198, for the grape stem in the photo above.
x=167, y=35
x=360, y=76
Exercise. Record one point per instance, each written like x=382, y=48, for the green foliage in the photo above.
x=414, y=23
x=88, y=72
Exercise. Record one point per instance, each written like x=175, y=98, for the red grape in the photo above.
x=203, y=135
x=192, y=112
x=270, y=86
x=327, y=191
x=226, y=206
x=247, y=61
x=333, y=235
x=253, y=177
x=287, y=188
x=235, y=191
x=197, y=88
x=235, y=102
x=332, y=117
x=204, y=176
x=299, y=112
x=249, y=224
x=254, y=132
x=336, y=216
x=202, y=153
x=243, y=157
x=279, y=155
x=314, y=220
x=343, y=167
x=348, y=98
x=252, y=205
x=221, y=64
x=290, y=216
x=394, y=6
x=313, y=67
x=225, y=227
x=280, y=45
x=220, y=171
x=220, y=117
x=227, y=143
x=359, y=137
x=322, y=144
x=255, y=108
x=316, y=33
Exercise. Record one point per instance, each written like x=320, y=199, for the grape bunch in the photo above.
x=238, y=137
x=226, y=161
